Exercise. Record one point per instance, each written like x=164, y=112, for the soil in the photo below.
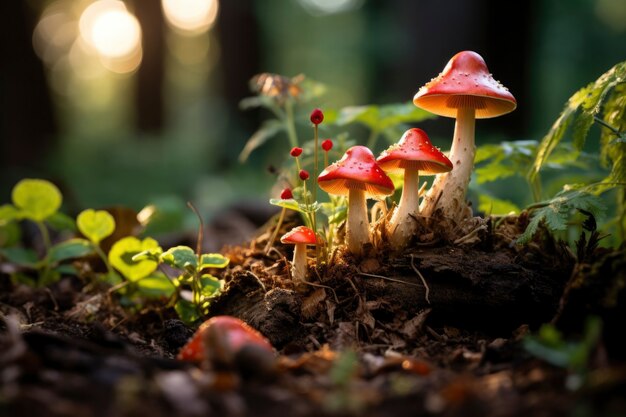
x=438, y=330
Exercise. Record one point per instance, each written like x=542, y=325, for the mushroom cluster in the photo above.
x=465, y=90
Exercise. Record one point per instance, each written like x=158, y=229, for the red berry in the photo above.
x=317, y=117
x=304, y=175
x=327, y=145
x=296, y=152
x=286, y=194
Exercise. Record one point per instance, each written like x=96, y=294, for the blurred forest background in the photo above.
x=136, y=102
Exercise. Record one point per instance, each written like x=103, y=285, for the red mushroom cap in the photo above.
x=357, y=169
x=226, y=335
x=465, y=82
x=414, y=151
x=300, y=234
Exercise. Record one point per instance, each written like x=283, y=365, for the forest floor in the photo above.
x=440, y=330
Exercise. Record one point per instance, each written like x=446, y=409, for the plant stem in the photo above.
x=200, y=241
x=371, y=140
x=608, y=126
x=102, y=256
x=290, y=123
x=270, y=242
x=45, y=236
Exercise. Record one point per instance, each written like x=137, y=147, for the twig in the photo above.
x=427, y=289
x=389, y=279
x=54, y=301
x=606, y=125
x=258, y=280
x=313, y=284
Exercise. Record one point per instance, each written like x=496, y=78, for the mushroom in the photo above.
x=358, y=176
x=467, y=91
x=301, y=236
x=414, y=153
x=221, y=340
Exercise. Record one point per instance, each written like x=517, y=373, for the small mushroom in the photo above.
x=412, y=155
x=466, y=91
x=224, y=342
x=301, y=236
x=358, y=176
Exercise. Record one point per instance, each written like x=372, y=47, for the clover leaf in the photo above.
x=36, y=199
x=121, y=257
x=95, y=225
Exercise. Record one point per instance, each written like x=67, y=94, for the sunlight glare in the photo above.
x=190, y=16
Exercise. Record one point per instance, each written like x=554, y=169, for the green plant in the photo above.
x=550, y=345
x=38, y=201
x=603, y=102
x=193, y=286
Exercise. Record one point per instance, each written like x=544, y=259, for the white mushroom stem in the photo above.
x=358, y=226
x=452, y=186
x=299, y=264
x=402, y=225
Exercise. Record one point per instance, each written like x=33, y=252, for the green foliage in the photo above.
x=95, y=225
x=156, y=285
x=190, y=268
x=36, y=199
x=180, y=257
x=280, y=95
x=212, y=260
x=389, y=119
x=556, y=211
x=70, y=249
x=550, y=345
x=122, y=253
x=585, y=106
x=496, y=206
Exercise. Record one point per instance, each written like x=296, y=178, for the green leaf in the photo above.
x=379, y=118
x=556, y=211
x=153, y=254
x=335, y=212
x=10, y=234
x=503, y=160
x=180, y=257
x=268, y=129
x=213, y=260
x=36, y=199
x=20, y=256
x=211, y=286
x=95, y=225
x=256, y=101
x=187, y=311
x=8, y=213
x=70, y=249
x=578, y=115
x=67, y=269
x=121, y=257
x=156, y=285
x=60, y=221
x=290, y=204
x=492, y=205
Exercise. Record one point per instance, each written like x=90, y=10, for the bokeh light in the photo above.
x=324, y=7
x=114, y=33
x=190, y=16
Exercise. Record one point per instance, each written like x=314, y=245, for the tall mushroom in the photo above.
x=466, y=91
x=412, y=155
x=301, y=236
x=358, y=176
